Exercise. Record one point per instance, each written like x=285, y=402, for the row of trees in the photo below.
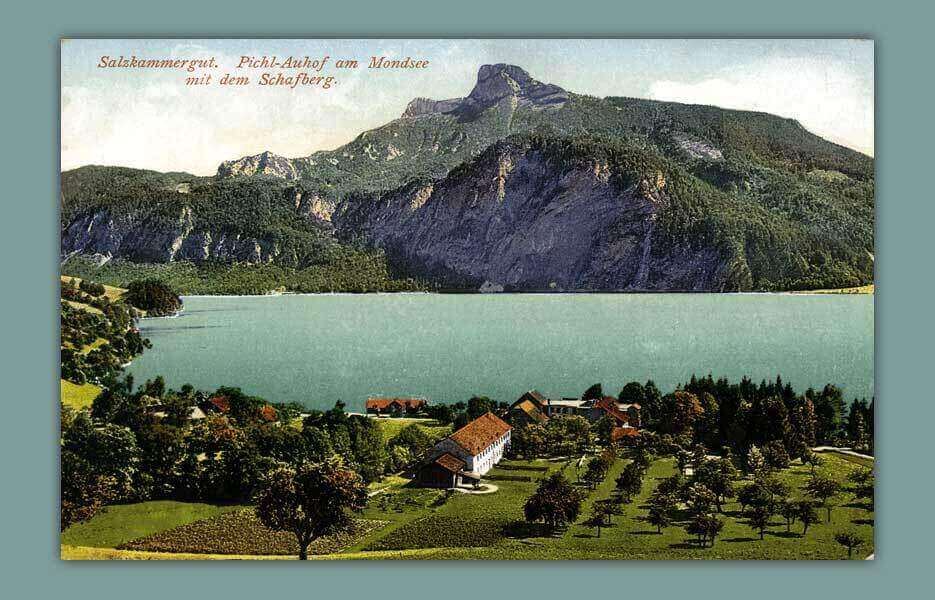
x=719, y=413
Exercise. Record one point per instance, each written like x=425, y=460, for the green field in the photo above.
x=122, y=523
x=391, y=426
x=112, y=293
x=77, y=396
x=423, y=524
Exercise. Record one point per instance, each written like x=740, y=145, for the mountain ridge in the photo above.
x=773, y=205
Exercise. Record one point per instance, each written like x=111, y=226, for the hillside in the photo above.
x=732, y=200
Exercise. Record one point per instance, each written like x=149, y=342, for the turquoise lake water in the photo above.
x=316, y=349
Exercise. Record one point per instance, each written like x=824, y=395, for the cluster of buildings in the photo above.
x=395, y=407
x=467, y=454
x=534, y=408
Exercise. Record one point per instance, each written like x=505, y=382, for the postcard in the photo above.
x=499, y=299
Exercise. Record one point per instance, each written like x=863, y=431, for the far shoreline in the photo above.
x=858, y=291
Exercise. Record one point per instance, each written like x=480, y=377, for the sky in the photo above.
x=150, y=119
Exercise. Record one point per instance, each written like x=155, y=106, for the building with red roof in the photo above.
x=467, y=453
x=396, y=406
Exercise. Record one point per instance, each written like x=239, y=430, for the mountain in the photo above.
x=517, y=185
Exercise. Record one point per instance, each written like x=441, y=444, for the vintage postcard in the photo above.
x=467, y=299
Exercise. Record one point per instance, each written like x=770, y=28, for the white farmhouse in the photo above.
x=468, y=453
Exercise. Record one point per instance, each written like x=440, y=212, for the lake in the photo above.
x=316, y=349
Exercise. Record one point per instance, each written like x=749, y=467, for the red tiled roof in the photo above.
x=479, y=434
x=268, y=413
x=535, y=396
x=381, y=403
x=619, y=433
x=609, y=405
x=529, y=407
x=450, y=462
x=221, y=403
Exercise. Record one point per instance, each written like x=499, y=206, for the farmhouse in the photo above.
x=466, y=454
x=394, y=406
x=529, y=409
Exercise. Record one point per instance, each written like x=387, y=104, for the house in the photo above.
x=594, y=410
x=607, y=406
x=394, y=406
x=216, y=404
x=467, y=453
x=621, y=436
x=535, y=397
x=268, y=414
x=526, y=413
x=529, y=409
x=446, y=471
x=633, y=411
x=566, y=407
x=159, y=411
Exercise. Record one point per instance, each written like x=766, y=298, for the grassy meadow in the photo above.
x=76, y=396
x=414, y=523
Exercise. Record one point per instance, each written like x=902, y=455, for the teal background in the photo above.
x=29, y=249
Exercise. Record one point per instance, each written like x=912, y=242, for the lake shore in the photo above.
x=863, y=290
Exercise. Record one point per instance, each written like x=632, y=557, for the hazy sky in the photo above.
x=151, y=119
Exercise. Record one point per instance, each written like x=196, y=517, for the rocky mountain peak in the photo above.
x=494, y=83
x=499, y=81
x=265, y=163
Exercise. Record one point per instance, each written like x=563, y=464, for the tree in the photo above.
x=789, y=512
x=642, y=459
x=478, y=406
x=812, y=460
x=752, y=495
x=555, y=502
x=863, y=481
x=528, y=440
x=755, y=462
x=567, y=434
x=595, y=392
x=775, y=455
x=678, y=412
x=807, y=515
x=84, y=491
x=659, y=516
x=829, y=414
x=632, y=393
x=718, y=476
x=153, y=296
x=598, y=468
x=413, y=438
x=597, y=518
x=849, y=540
x=705, y=527
x=611, y=508
x=824, y=489
x=603, y=429
x=776, y=490
x=759, y=519
x=630, y=481
x=311, y=501
x=699, y=499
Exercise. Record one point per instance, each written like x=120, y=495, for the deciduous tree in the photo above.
x=314, y=500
